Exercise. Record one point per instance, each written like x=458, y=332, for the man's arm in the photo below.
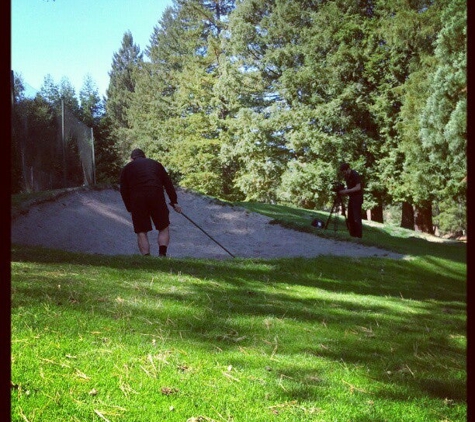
x=169, y=188
x=355, y=188
x=356, y=179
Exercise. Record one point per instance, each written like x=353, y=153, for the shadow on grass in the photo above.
x=425, y=279
x=373, y=307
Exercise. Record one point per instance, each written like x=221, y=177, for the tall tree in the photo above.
x=18, y=127
x=125, y=64
x=263, y=101
x=310, y=58
x=50, y=91
x=35, y=138
x=259, y=47
x=409, y=31
x=181, y=113
x=106, y=153
x=152, y=103
x=18, y=88
x=68, y=94
x=54, y=93
x=92, y=107
x=444, y=118
x=108, y=159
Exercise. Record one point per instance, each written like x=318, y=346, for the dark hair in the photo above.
x=344, y=166
x=136, y=153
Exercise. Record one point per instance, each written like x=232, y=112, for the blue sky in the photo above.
x=73, y=38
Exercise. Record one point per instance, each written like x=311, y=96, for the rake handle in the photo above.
x=191, y=221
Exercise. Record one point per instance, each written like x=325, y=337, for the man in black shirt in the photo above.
x=354, y=189
x=142, y=184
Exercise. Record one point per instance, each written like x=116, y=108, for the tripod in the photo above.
x=337, y=203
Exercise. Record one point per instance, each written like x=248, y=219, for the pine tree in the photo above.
x=68, y=95
x=177, y=110
x=310, y=58
x=444, y=119
x=18, y=127
x=125, y=64
x=50, y=91
x=399, y=60
x=92, y=107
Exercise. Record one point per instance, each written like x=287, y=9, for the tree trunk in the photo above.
x=423, y=217
x=376, y=214
x=407, y=217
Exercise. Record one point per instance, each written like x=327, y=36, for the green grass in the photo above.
x=387, y=236
x=128, y=338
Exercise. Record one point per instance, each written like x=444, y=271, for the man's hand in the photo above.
x=352, y=190
x=176, y=207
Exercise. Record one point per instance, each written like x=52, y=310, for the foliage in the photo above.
x=263, y=99
x=34, y=129
x=92, y=107
x=125, y=63
x=16, y=130
x=37, y=144
x=182, y=88
x=444, y=117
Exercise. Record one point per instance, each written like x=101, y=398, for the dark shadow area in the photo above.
x=391, y=278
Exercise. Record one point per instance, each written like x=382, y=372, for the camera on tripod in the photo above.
x=338, y=204
x=337, y=186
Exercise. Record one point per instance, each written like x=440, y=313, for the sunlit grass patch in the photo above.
x=332, y=338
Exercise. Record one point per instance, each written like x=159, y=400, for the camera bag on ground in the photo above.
x=319, y=224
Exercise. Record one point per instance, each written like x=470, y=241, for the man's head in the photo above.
x=344, y=168
x=136, y=153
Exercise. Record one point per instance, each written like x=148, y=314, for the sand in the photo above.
x=96, y=222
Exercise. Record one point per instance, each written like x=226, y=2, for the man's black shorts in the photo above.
x=149, y=206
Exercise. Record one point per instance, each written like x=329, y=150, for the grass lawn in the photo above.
x=128, y=338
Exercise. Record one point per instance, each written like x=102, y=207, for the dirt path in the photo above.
x=96, y=222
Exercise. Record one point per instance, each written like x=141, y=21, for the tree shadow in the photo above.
x=264, y=290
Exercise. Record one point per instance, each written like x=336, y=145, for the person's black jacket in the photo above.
x=142, y=175
x=351, y=181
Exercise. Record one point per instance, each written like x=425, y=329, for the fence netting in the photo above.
x=53, y=149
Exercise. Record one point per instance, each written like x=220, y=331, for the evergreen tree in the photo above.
x=444, y=119
x=92, y=108
x=263, y=99
x=40, y=151
x=258, y=48
x=108, y=159
x=54, y=94
x=177, y=111
x=409, y=31
x=106, y=153
x=18, y=132
x=310, y=58
x=18, y=88
x=152, y=102
x=68, y=94
x=125, y=63
x=50, y=91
